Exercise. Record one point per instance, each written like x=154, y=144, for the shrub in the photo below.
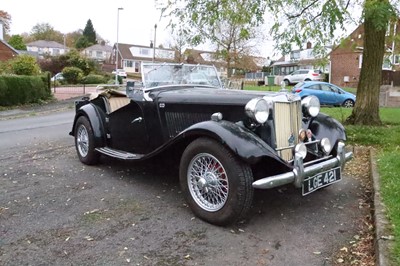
x=94, y=79
x=24, y=65
x=72, y=75
x=15, y=90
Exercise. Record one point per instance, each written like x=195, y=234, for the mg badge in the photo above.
x=291, y=140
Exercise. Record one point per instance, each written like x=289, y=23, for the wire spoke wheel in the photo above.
x=216, y=183
x=82, y=141
x=208, y=183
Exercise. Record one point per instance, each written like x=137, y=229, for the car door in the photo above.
x=337, y=93
x=127, y=129
x=328, y=96
x=294, y=77
x=315, y=90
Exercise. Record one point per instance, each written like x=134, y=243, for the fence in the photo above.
x=390, y=77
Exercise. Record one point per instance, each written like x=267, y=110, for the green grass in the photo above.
x=262, y=88
x=386, y=139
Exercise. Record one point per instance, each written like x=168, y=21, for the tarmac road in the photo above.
x=56, y=211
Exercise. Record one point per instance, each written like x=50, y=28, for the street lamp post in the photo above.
x=117, y=52
x=154, y=44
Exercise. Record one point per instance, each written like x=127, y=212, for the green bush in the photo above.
x=16, y=90
x=94, y=79
x=24, y=65
x=72, y=75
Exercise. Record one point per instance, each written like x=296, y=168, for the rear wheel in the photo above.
x=348, y=103
x=216, y=184
x=84, y=142
x=287, y=83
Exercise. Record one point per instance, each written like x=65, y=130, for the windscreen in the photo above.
x=155, y=75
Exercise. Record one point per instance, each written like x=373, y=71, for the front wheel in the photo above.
x=84, y=142
x=348, y=103
x=216, y=184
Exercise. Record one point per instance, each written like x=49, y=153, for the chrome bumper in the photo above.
x=299, y=172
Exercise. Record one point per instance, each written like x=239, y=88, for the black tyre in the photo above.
x=348, y=103
x=287, y=83
x=216, y=184
x=84, y=142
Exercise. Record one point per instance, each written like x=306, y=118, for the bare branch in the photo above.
x=302, y=11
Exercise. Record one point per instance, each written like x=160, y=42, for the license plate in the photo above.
x=321, y=180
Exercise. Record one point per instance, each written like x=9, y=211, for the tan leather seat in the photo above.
x=117, y=102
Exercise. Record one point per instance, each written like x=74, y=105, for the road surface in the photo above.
x=56, y=211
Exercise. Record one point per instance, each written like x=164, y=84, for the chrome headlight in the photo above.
x=311, y=106
x=326, y=145
x=301, y=149
x=258, y=110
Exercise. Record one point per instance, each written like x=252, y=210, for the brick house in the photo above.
x=346, y=58
x=7, y=52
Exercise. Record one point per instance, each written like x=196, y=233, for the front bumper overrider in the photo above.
x=299, y=172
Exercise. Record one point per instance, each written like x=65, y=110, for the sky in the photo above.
x=136, y=20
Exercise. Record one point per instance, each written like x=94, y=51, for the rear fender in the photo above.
x=96, y=121
x=240, y=140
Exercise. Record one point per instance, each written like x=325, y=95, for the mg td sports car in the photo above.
x=226, y=142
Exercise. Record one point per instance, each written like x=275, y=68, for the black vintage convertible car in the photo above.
x=226, y=142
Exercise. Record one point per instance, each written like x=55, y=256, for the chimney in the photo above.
x=1, y=30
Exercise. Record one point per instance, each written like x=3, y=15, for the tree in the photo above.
x=90, y=33
x=178, y=42
x=82, y=42
x=44, y=31
x=226, y=24
x=298, y=21
x=6, y=18
x=17, y=42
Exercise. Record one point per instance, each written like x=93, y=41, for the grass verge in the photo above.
x=386, y=139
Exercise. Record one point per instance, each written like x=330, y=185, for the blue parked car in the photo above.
x=327, y=93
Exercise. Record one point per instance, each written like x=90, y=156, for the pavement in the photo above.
x=383, y=239
x=54, y=105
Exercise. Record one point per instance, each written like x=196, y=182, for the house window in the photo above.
x=99, y=54
x=396, y=60
x=144, y=51
x=360, y=57
x=137, y=67
x=128, y=63
x=56, y=51
x=295, y=55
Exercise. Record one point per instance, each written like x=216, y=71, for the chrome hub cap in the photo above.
x=82, y=141
x=208, y=182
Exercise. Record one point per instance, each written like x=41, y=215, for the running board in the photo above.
x=119, y=154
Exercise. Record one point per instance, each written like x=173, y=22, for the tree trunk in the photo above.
x=366, y=110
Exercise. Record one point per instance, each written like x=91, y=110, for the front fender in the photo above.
x=240, y=140
x=96, y=121
x=324, y=126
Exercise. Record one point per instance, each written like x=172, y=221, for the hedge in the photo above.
x=16, y=90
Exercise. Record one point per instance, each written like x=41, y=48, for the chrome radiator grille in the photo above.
x=287, y=116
